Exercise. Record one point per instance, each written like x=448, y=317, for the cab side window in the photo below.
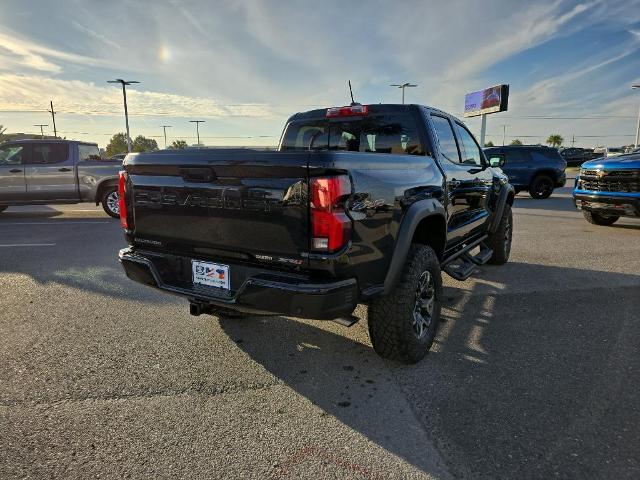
x=11, y=154
x=471, y=154
x=49, y=153
x=446, y=139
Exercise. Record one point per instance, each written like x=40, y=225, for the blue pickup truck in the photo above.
x=608, y=189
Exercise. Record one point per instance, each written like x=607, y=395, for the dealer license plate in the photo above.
x=210, y=274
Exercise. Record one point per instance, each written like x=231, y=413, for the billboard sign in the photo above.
x=490, y=100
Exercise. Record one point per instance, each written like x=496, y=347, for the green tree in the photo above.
x=555, y=140
x=117, y=144
x=178, y=145
x=489, y=144
x=516, y=141
x=143, y=144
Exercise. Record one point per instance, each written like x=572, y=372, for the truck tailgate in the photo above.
x=221, y=203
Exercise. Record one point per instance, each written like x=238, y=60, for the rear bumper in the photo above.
x=626, y=205
x=256, y=290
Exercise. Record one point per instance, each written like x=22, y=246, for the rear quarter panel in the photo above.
x=384, y=186
x=91, y=173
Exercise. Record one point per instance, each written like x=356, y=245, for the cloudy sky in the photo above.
x=244, y=66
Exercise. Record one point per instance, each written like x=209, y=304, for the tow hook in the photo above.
x=197, y=308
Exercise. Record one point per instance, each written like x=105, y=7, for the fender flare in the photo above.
x=111, y=181
x=500, y=203
x=417, y=212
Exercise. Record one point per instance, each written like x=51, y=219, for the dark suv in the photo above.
x=575, y=156
x=534, y=168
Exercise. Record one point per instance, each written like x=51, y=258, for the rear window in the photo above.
x=49, y=153
x=392, y=133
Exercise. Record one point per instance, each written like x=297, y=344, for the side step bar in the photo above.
x=462, y=264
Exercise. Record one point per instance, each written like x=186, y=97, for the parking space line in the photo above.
x=28, y=245
x=56, y=222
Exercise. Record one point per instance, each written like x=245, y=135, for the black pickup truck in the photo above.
x=360, y=204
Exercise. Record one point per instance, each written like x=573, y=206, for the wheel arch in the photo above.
x=424, y=222
x=102, y=186
x=507, y=196
x=547, y=172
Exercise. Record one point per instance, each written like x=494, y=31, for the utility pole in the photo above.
x=41, y=131
x=124, y=83
x=164, y=127
x=53, y=117
x=197, y=122
x=403, y=86
x=573, y=140
x=635, y=87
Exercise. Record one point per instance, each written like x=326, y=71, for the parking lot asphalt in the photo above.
x=534, y=373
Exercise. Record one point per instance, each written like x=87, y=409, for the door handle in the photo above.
x=453, y=183
x=15, y=170
x=64, y=169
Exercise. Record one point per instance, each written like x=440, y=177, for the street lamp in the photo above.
x=197, y=122
x=41, y=131
x=124, y=83
x=635, y=87
x=403, y=86
x=164, y=127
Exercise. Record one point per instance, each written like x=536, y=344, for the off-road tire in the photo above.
x=541, y=187
x=390, y=317
x=500, y=240
x=597, y=219
x=107, y=200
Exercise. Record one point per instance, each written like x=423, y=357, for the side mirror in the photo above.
x=496, y=161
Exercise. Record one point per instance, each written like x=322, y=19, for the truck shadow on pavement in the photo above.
x=529, y=377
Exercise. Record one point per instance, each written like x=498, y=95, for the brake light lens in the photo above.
x=122, y=180
x=350, y=111
x=331, y=226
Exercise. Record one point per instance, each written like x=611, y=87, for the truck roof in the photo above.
x=44, y=140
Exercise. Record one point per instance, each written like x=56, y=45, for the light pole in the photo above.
x=41, y=131
x=164, y=127
x=197, y=122
x=124, y=84
x=504, y=134
x=403, y=86
x=635, y=87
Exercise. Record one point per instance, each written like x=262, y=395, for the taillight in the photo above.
x=122, y=203
x=350, y=111
x=331, y=227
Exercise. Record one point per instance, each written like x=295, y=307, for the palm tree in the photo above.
x=555, y=140
x=2, y=130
